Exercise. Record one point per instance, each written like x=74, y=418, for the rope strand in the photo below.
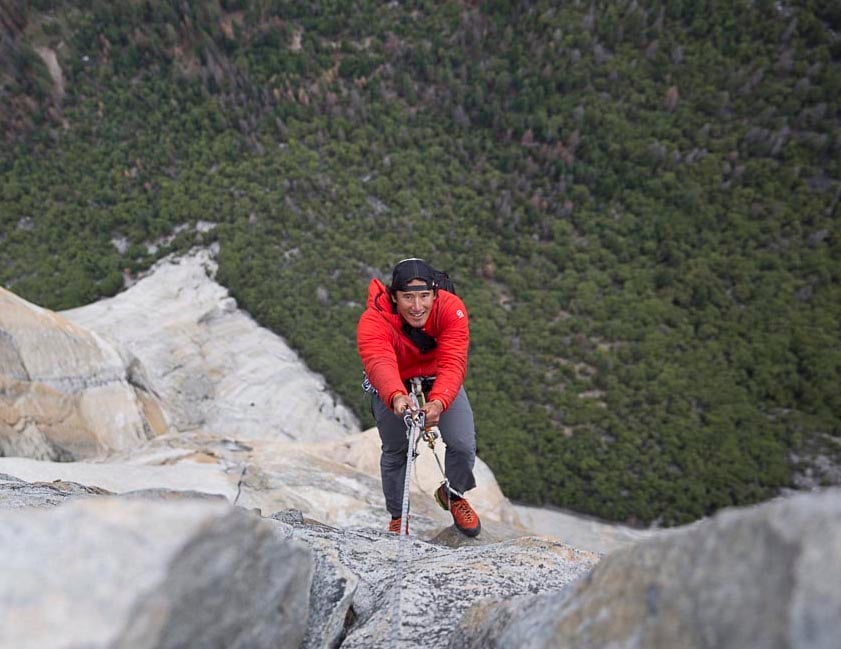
x=414, y=427
x=415, y=431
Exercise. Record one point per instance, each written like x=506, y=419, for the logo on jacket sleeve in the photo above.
x=460, y=313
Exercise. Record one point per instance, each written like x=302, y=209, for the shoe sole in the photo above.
x=470, y=533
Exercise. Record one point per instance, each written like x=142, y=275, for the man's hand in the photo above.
x=400, y=403
x=432, y=412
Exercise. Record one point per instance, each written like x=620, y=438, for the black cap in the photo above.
x=410, y=269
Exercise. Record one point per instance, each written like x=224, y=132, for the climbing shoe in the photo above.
x=394, y=525
x=442, y=497
x=464, y=518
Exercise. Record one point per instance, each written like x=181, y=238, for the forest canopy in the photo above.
x=638, y=202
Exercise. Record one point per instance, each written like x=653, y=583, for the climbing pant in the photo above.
x=458, y=433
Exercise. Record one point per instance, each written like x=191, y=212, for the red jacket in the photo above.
x=389, y=357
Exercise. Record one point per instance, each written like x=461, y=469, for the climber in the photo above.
x=415, y=328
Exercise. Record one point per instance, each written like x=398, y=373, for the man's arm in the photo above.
x=376, y=342
x=453, y=342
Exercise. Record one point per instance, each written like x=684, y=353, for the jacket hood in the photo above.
x=378, y=297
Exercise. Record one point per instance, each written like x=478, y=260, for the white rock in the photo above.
x=66, y=392
x=212, y=365
x=581, y=531
x=123, y=477
x=325, y=481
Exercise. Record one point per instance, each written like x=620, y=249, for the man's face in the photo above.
x=414, y=306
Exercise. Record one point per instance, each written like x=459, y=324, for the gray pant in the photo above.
x=458, y=433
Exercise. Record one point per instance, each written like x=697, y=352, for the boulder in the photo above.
x=766, y=577
x=129, y=572
x=134, y=574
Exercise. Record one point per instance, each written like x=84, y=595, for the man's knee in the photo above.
x=393, y=455
x=461, y=446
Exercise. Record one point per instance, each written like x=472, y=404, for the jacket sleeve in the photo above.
x=375, y=340
x=453, y=342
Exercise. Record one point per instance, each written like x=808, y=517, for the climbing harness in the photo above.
x=416, y=430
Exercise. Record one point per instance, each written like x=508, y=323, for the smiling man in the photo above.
x=410, y=329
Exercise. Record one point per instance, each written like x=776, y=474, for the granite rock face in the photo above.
x=405, y=592
x=316, y=479
x=214, y=368
x=16, y=493
x=96, y=570
x=170, y=354
x=135, y=574
x=126, y=572
x=767, y=577
x=65, y=392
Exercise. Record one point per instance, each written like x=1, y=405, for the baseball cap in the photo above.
x=409, y=269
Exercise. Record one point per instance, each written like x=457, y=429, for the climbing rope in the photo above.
x=414, y=419
x=416, y=430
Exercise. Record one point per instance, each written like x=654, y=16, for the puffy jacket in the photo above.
x=390, y=358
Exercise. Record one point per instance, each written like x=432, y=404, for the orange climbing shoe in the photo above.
x=464, y=518
x=394, y=525
x=442, y=497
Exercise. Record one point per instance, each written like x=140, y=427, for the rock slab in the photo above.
x=107, y=572
x=66, y=393
x=214, y=368
x=767, y=577
x=374, y=589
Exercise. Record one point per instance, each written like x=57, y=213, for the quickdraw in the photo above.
x=430, y=434
x=414, y=418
